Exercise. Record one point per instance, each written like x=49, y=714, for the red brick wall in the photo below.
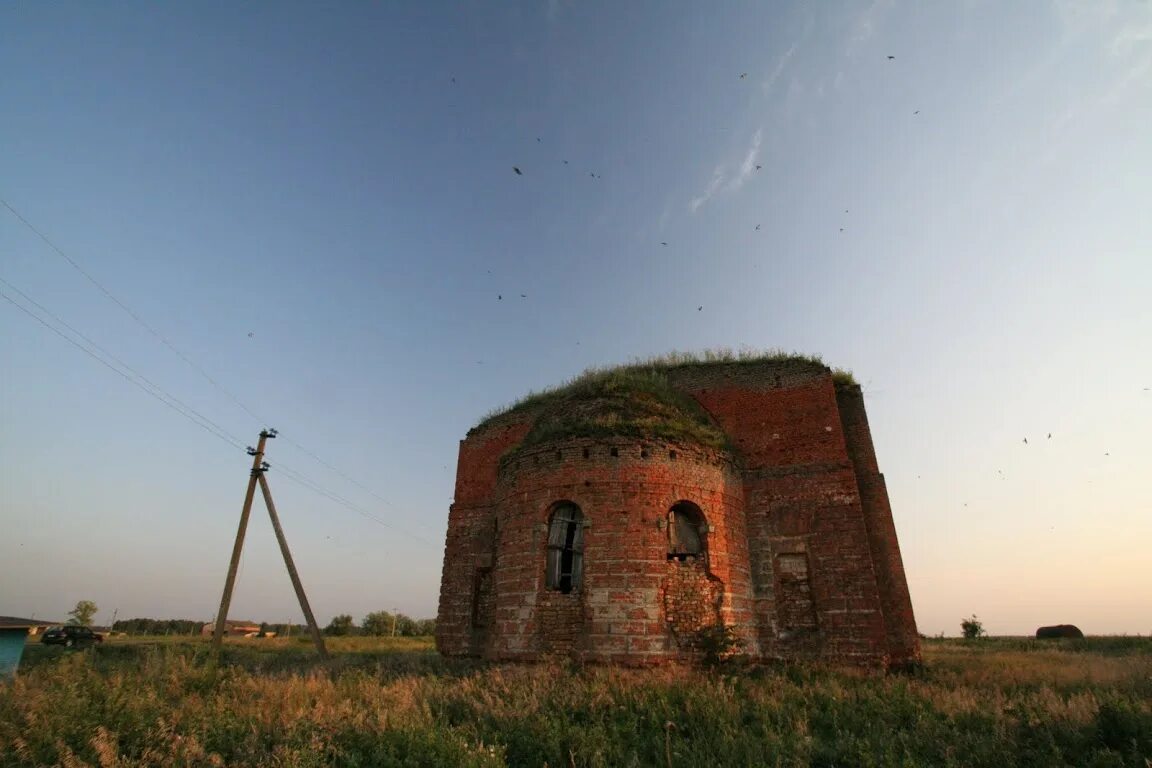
x=470, y=542
x=618, y=614
x=802, y=550
x=900, y=624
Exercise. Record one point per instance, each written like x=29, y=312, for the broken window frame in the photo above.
x=564, y=569
x=687, y=532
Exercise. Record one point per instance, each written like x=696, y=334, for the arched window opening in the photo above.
x=565, y=548
x=685, y=531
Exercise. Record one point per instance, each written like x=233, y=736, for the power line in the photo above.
x=157, y=390
x=301, y=479
x=176, y=405
x=140, y=321
x=128, y=309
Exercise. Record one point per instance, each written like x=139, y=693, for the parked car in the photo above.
x=70, y=635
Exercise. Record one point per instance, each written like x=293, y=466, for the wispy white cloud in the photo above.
x=778, y=70
x=712, y=188
x=721, y=181
x=748, y=167
x=865, y=25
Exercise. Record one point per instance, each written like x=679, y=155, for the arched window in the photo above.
x=685, y=531
x=565, y=548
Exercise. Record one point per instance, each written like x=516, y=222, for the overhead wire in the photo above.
x=102, y=356
x=128, y=310
x=139, y=320
x=184, y=410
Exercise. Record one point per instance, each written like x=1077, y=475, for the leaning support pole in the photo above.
x=257, y=454
x=317, y=638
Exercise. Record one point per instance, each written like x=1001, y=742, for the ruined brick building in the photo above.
x=615, y=518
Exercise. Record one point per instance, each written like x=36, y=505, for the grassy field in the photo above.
x=996, y=702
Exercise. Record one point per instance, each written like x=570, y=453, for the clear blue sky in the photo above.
x=317, y=206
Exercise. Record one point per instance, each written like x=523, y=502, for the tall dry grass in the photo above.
x=266, y=704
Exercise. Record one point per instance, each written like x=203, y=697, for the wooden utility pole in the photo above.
x=259, y=467
x=257, y=455
x=317, y=638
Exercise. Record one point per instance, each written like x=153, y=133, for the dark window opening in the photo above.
x=585, y=453
x=614, y=452
x=565, y=568
x=559, y=456
x=672, y=455
x=685, y=531
x=643, y=453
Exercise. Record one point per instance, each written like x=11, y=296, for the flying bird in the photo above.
x=663, y=243
x=518, y=173
x=1025, y=441
x=700, y=308
x=565, y=162
x=759, y=167
x=757, y=227
x=250, y=334
x=743, y=75
x=499, y=297
x=523, y=295
x=841, y=229
x=916, y=112
x=1049, y=435
x=891, y=57
x=453, y=79
x=537, y=138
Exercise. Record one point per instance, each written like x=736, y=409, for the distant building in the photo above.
x=232, y=629
x=14, y=632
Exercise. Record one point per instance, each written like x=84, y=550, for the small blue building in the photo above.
x=13, y=634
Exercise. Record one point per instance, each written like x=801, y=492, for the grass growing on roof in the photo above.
x=585, y=384
x=625, y=402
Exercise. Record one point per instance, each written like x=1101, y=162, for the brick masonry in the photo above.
x=800, y=552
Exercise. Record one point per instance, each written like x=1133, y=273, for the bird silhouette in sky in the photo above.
x=759, y=167
x=453, y=79
x=700, y=308
x=1049, y=435
x=499, y=297
x=250, y=334
x=518, y=172
x=1025, y=441
x=757, y=227
x=523, y=295
x=565, y=162
x=891, y=57
x=743, y=75
x=663, y=243
x=537, y=138
x=916, y=112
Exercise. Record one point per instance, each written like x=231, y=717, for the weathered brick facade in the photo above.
x=797, y=548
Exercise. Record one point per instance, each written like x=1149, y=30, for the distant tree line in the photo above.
x=381, y=624
x=158, y=626
x=378, y=623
